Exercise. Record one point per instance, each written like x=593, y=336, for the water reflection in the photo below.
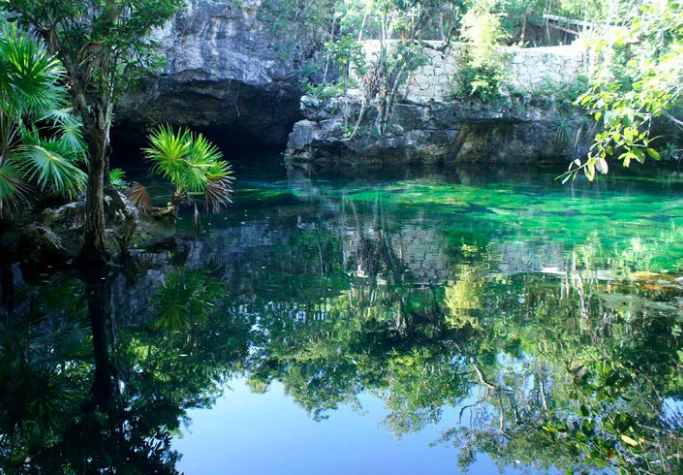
x=549, y=319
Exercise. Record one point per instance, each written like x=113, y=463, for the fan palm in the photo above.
x=192, y=164
x=40, y=140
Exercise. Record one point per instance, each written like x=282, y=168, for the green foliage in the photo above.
x=484, y=83
x=40, y=140
x=562, y=126
x=117, y=178
x=483, y=73
x=107, y=52
x=463, y=299
x=646, y=85
x=482, y=27
x=192, y=164
x=105, y=47
x=187, y=297
x=346, y=52
x=550, y=93
x=324, y=91
x=289, y=20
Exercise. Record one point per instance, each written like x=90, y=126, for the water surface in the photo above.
x=398, y=322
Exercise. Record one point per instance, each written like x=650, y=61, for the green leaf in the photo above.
x=192, y=164
x=653, y=153
x=47, y=163
x=639, y=155
x=117, y=178
x=629, y=440
x=13, y=188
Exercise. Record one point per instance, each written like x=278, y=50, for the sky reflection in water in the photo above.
x=502, y=318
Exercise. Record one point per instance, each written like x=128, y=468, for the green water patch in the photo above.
x=616, y=219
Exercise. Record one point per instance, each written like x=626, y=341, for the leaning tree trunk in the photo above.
x=95, y=133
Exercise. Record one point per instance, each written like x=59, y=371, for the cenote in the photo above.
x=341, y=237
x=488, y=320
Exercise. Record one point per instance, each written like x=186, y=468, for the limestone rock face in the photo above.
x=508, y=131
x=228, y=69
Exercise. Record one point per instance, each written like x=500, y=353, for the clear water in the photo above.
x=400, y=321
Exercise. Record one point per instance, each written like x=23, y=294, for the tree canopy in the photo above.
x=638, y=83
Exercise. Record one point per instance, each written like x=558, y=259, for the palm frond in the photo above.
x=143, y=262
x=31, y=73
x=217, y=194
x=221, y=169
x=138, y=196
x=117, y=178
x=68, y=129
x=202, y=150
x=214, y=268
x=32, y=95
x=13, y=188
x=46, y=162
x=192, y=164
x=187, y=297
x=168, y=152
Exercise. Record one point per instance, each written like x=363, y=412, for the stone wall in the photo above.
x=528, y=68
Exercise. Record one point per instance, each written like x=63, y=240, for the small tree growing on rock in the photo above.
x=104, y=45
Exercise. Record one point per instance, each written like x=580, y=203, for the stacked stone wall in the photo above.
x=527, y=68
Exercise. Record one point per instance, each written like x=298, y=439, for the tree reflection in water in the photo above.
x=578, y=367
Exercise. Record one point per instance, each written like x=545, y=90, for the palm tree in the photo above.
x=40, y=140
x=192, y=164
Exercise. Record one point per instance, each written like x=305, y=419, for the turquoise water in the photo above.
x=364, y=322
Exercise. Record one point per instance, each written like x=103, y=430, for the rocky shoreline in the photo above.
x=508, y=131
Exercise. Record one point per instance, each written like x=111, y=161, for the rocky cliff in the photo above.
x=233, y=69
x=229, y=68
x=533, y=120
x=508, y=131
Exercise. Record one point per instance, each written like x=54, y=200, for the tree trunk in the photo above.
x=94, y=251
